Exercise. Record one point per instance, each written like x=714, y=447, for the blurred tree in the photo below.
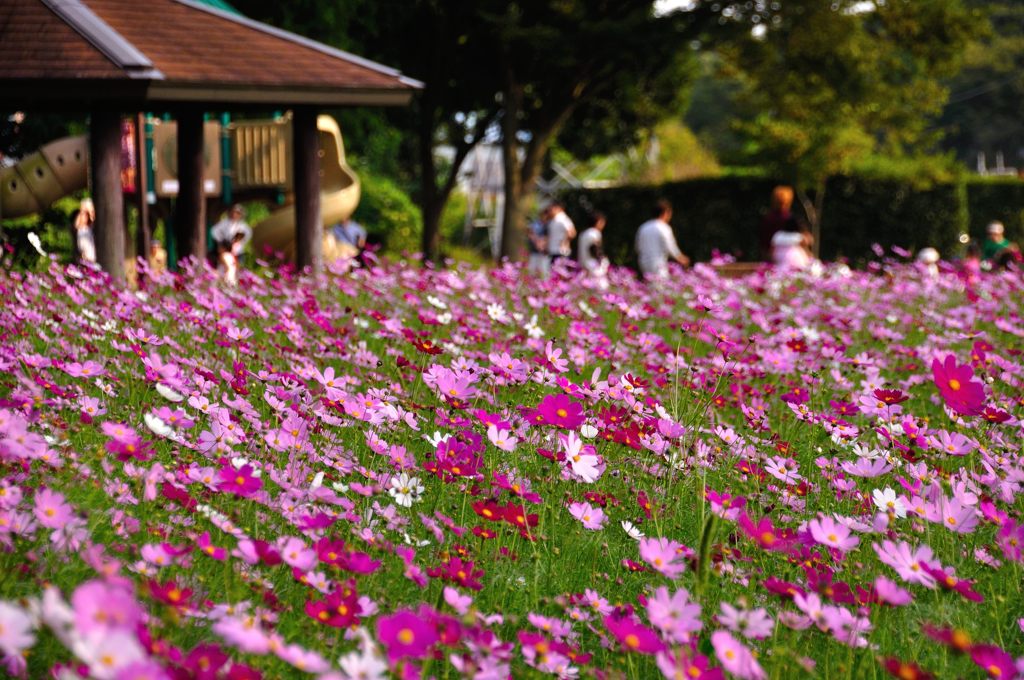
x=834, y=82
x=983, y=113
x=433, y=41
x=607, y=67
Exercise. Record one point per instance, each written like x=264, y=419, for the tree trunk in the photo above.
x=430, y=205
x=309, y=227
x=814, y=211
x=190, y=209
x=513, y=227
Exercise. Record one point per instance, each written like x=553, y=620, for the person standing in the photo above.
x=791, y=245
x=350, y=236
x=656, y=243
x=561, y=232
x=590, y=247
x=229, y=238
x=84, y=221
x=995, y=242
x=537, y=243
x=776, y=220
x=225, y=231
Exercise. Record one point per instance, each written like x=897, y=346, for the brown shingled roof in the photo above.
x=36, y=43
x=175, y=51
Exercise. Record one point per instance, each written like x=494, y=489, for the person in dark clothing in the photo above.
x=776, y=220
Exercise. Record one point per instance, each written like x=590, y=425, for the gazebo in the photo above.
x=116, y=57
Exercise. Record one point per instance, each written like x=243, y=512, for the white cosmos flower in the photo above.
x=33, y=238
x=886, y=501
x=158, y=427
x=436, y=302
x=436, y=438
x=532, y=329
x=318, y=480
x=405, y=490
x=632, y=530
x=169, y=394
x=588, y=431
x=444, y=318
x=497, y=312
x=339, y=487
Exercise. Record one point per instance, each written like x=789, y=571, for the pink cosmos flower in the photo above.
x=962, y=394
x=51, y=510
x=891, y=593
x=592, y=518
x=502, y=439
x=752, y=623
x=908, y=562
x=1010, y=540
x=295, y=553
x=664, y=555
x=827, y=531
x=100, y=606
x=406, y=635
x=457, y=601
x=674, y=615
x=735, y=657
x=15, y=630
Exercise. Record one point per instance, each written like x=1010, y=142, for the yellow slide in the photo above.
x=339, y=196
x=39, y=179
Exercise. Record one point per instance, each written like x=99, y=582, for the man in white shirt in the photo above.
x=656, y=243
x=590, y=246
x=561, y=231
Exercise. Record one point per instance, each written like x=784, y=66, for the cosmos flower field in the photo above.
x=409, y=472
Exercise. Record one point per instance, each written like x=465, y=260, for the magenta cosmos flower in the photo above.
x=406, y=635
x=241, y=482
x=634, y=636
x=961, y=393
x=561, y=411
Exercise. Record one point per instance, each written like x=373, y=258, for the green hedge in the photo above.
x=996, y=199
x=724, y=214
x=859, y=212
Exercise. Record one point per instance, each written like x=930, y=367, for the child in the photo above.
x=229, y=258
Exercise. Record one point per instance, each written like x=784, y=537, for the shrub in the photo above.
x=389, y=215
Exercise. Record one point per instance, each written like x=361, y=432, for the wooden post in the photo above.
x=309, y=228
x=105, y=161
x=143, y=234
x=190, y=209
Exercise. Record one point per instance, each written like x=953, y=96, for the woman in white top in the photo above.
x=791, y=246
x=84, y=220
x=591, y=250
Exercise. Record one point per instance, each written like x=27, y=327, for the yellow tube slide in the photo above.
x=39, y=179
x=339, y=196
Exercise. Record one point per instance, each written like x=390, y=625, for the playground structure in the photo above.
x=247, y=159
x=119, y=58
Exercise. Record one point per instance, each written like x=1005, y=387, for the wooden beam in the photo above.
x=309, y=228
x=105, y=162
x=143, y=234
x=190, y=209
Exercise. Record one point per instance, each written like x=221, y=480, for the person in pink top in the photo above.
x=791, y=245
